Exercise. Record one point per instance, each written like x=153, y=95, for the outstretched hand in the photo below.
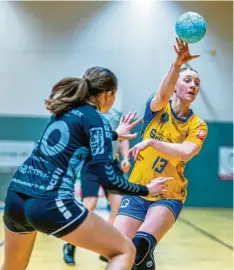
x=183, y=54
x=126, y=125
x=136, y=149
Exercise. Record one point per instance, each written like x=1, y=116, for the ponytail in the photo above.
x=67, y=94
x=73, y=92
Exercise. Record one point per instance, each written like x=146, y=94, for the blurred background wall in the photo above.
x=42, y=42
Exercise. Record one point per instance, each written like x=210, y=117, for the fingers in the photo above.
x=140, y=157
x=181, y=46
x=127, y=136
x=122, y=118
x=126, y=117
x=167, y=192
x=129, y=117
x=176, y=50
x=162, y=179
x=178, y=42
x=135, y=123
x=166, y=179
x=132, y=136
x=195, y=56
x=136, y=153
x=164, y=189
x=130, y=153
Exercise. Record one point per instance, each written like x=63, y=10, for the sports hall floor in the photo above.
x=202, y=239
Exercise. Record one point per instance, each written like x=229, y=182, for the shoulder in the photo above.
x=196, y=122
x=90, y=113
x=148, y=115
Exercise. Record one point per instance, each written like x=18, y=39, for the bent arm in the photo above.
x=116, y=182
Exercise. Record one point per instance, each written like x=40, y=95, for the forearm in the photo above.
x=123, y=148
x=171, y=150
x=117, y=183
x=167, y=86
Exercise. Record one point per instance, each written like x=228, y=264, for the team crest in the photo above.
x=201, y=135
x=165, y=118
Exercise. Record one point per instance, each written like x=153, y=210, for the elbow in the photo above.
x=186, y=156
x=188, y=151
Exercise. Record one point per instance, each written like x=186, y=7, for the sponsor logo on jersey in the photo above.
x=97, y=141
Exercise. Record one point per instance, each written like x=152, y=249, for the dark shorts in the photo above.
x=137, y=207
x=90, y=183
x=25, y=214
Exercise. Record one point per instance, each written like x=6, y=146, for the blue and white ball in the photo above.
x=191, y=27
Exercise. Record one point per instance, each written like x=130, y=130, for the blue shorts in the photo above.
x=25, y=214
x=137, y=207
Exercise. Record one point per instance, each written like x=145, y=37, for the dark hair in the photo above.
x=187, y=68
x=72, y=92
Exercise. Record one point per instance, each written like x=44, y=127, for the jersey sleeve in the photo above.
x=115, y=182
x=198, y=134
x=148, y=115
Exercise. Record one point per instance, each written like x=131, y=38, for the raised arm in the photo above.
x=167, y=86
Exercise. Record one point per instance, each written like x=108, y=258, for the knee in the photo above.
x=145, y=244
x=130, y=251
x=90, y=203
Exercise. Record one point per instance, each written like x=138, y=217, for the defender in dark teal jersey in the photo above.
x=40, y=196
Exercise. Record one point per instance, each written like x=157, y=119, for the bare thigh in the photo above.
x=98, y=235
x=115, y=201
x=127, y=225
x=158, y=221
x=90, y=203
x=17, y=250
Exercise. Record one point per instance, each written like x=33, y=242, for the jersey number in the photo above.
x=159, y=164
x=51, y=150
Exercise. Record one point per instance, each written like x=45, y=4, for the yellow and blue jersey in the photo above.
x=166, y=126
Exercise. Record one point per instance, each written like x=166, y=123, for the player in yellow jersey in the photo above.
x=172, y=134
